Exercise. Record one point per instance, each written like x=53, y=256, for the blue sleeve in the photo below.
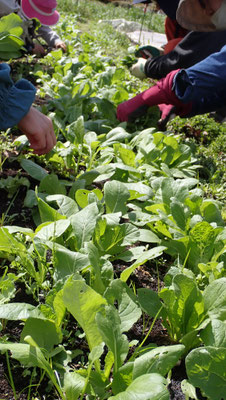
x=204, y=84
x=15, y=99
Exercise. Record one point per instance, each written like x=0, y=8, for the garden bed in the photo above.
x=112, y=246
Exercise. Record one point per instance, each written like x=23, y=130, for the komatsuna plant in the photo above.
x=11, y=42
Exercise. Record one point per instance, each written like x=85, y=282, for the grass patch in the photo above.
x=207, y=137
x=91, y=10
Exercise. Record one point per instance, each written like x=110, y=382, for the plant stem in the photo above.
x=11, y=376
x=150, y=329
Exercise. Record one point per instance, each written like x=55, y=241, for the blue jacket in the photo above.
x=203, y=84
x=15, y=99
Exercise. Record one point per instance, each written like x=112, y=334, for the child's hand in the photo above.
x=39, y=130
x=61, y=45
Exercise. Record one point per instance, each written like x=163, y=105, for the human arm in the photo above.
x=204, y=84
x=7, y=7
x=51, y=37
x=193, y=48
x=196, y=90
x=15, y=99
x=161, y=93
x=16, y=108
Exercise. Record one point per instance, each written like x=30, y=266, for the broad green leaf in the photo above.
x=108, y=363
x=122, y=378
x=167, y=190
x=162, y=228
x=215, y=333
x=112, y=219
x=11, y=23
x=84, y=303
x=33, y=169
x=127, y=156
x=10, y=41
x=188, y=390
x=148, y=236
x=149, y=301
x=146, y=256
x=116, y=135
x=88, y=177
x=215, y=299
x=76, y=131
x=28, y=356
x=139, y=191
x=9, y=244
x=105, y=172
x=114, y=239
x=6, y=55
x=48, y=213
x=211, y=212
x=68, y=262
x=108, y=323
x=50, y=184
x=181, y=189
x=30, y=200
x=83, y=224
x=51, y=230
x=67, y=206
x=129, y=312
x=59, y=307
x=95, y=262
x=15, y=229
x=91, y=138
x=128, y=309
x=160, y=360
x=115, y=195
x=184, y=306
x=178, y=214
x=206, y=369
x=155, y=208
x=145, y=387
x=73, y=384
x=213, y=270
x=202, y=242
x=131, y=234
x=82, y=196
x=177, y=248
x=132, y=254
x=19, y=311
x=43, y=332
x=96, y=352
x=7, y=287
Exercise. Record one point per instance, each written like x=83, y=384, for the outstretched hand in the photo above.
x=39, y=130
x=61, y=45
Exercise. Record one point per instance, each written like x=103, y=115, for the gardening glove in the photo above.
x=138, y=68
x=168, y=112
x=161, y=93
x=148, y=51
